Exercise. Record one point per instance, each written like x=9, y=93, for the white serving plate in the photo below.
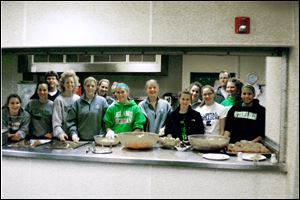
x=253, y=157
x=216, y=156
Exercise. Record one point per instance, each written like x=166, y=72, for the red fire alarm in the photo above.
x=242, y=24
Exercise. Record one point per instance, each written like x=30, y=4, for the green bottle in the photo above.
x=183, y=131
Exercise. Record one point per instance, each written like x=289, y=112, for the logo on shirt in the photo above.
x=14, y=126
x=125, y=118
x=210, y=116
x=245, y=115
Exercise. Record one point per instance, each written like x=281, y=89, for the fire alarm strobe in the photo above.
x=242, y=24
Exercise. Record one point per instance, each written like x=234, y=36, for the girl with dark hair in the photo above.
x=246, y=121
x=15, y=119
x=40, y=109
x=234, y=89
x=195, y=90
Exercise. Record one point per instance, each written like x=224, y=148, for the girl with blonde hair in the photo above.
x=68, y=84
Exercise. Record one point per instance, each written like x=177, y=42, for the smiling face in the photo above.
x=121, y=94
x=208, y=95
x=195, y=91
x=52, y=82
x=247, y=96
x=231, y=88
x=14, y=105
x=90, y=88
x=43, y=91
x=69, y=84
x=152, y=90
x=103, y=88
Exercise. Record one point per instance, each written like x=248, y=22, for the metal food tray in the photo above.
x=55, y=144
x=29, y=143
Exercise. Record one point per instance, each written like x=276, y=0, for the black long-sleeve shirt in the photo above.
x=191, y=120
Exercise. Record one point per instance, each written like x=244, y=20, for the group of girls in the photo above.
x=239, y=116
x=73, y=117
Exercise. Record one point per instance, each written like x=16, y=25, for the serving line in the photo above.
x=154, y=156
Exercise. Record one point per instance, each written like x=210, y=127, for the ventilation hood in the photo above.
x=93, y=63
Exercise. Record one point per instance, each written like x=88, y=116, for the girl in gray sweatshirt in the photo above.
x=68, y=83
x=85, y=118
x=40, y=110
x=15, y=119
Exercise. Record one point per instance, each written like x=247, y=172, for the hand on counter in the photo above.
x=162, y=131
x=15, y=137
x=48, y=135
x=63, y=137
x=75, y=138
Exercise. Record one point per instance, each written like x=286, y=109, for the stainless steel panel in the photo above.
x=132, y=67
x=156, y=156
x=109, y=67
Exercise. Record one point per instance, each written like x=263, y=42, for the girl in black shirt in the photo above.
x=246, y=121
x=184, y=120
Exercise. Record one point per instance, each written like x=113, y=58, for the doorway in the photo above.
x=207, y=78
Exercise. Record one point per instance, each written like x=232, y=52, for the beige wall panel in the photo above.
x=254, y=64
x=12, y=24
x=293, y=113
x=29, y=24
x=273, y=97
x=77, y=23
x=212, y=23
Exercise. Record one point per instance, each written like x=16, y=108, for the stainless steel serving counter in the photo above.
x=154, y=156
